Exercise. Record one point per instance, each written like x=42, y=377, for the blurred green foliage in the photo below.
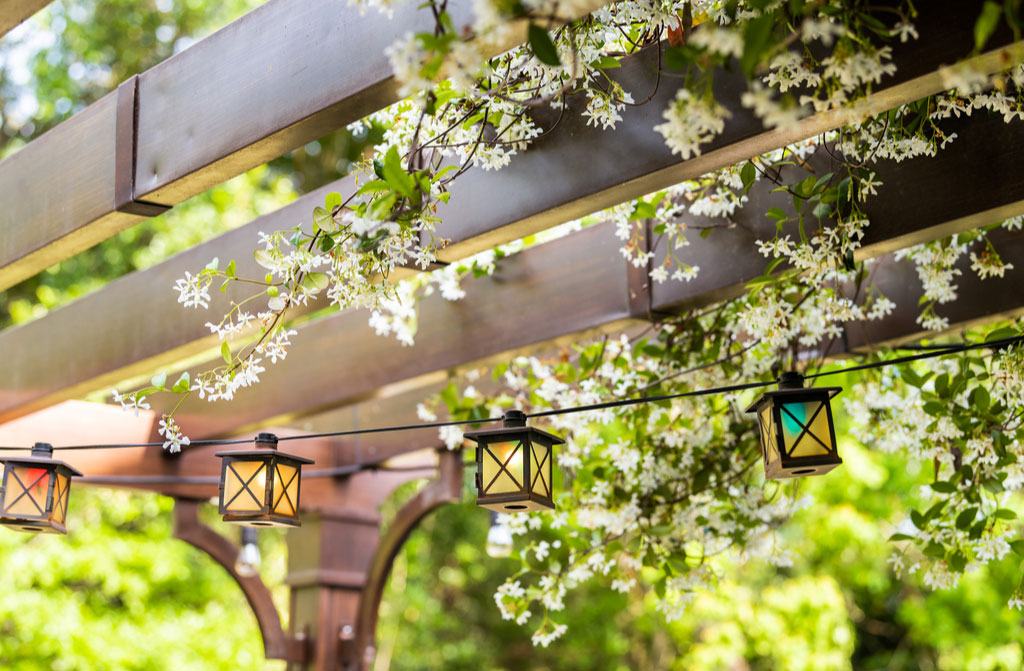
x=839, y=607
x=119, y=593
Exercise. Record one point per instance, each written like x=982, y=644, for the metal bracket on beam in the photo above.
x=126, y=151
x=276, y=645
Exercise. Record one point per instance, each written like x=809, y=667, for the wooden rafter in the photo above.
x=197, y=125
x=13, y=12
x=124, y=330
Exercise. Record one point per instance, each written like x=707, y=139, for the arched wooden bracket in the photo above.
x=358, y=641
x=276, y=644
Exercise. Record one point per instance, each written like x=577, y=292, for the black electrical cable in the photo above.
x=344, y=470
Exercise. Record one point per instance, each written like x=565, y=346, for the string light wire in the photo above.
x=931, y=353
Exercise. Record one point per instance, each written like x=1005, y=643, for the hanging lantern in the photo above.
x=797, y=434
x=34, y=496
x=514, y=466
x=260, y=487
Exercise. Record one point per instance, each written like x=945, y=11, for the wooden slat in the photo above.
x=288, y=72
x=970, y=183
x=979, y=301
x=13, y=12
x=124, y=330
x=199, y=124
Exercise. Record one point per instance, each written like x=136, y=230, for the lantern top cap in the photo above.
x=266, y=446
x=42, y=455
x=514, y=421
x=265, y=454
x=791, y=385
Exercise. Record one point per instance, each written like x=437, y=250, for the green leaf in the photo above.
x=230, y=271
x=315, y=281
x=158, y=380
x=212, y=265
x=607, y=63
x=900, y=537
x=943, y=487
x=1018, y=547
x=323, y=220
x=265, y=259
x=643, y=210
x=986, y=23
x=678, y=58
x=747, y=174
x=966, y=518
x=183, y=384
x=225, y=353
x=957, y=561
x=980, y=399
x=756, y=39
x=333, y=200
x=776, y=213
x=1004, y=514
x=993, y=485
x=1001, y=334
x=396, y=176
x=542, y=46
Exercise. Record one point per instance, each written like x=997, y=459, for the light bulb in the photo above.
x=499, y=539
x=248, y=562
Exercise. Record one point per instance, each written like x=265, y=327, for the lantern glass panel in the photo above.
x=286, y=487
x=503, y=467
x=60, y=498
x=245, y=486
x=768, y=433
x=540, y=469
x=805, y=429
x=26, y=491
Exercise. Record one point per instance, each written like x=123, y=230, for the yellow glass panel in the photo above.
x=60, y=499
x=502, y=467
x=286, y=489
x=796, y=416
x=26, y=492
x=539, y=472
x=768, y=434
x=245, y=486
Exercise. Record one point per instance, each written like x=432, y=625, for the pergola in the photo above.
x=290, y=72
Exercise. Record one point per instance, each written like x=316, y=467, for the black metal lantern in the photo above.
x=797, y=434
x=34, y=496
x=514, y=466
x=260, y=487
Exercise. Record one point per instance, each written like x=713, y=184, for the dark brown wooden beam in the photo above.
x=124, y=329
x=198, y=125
x=288, y=72
x=59, y=193
x=13, y=12
x=971, y=183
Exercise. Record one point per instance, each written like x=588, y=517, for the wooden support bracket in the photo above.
x=276, y=644
x=126, y=149
x=357, y=647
